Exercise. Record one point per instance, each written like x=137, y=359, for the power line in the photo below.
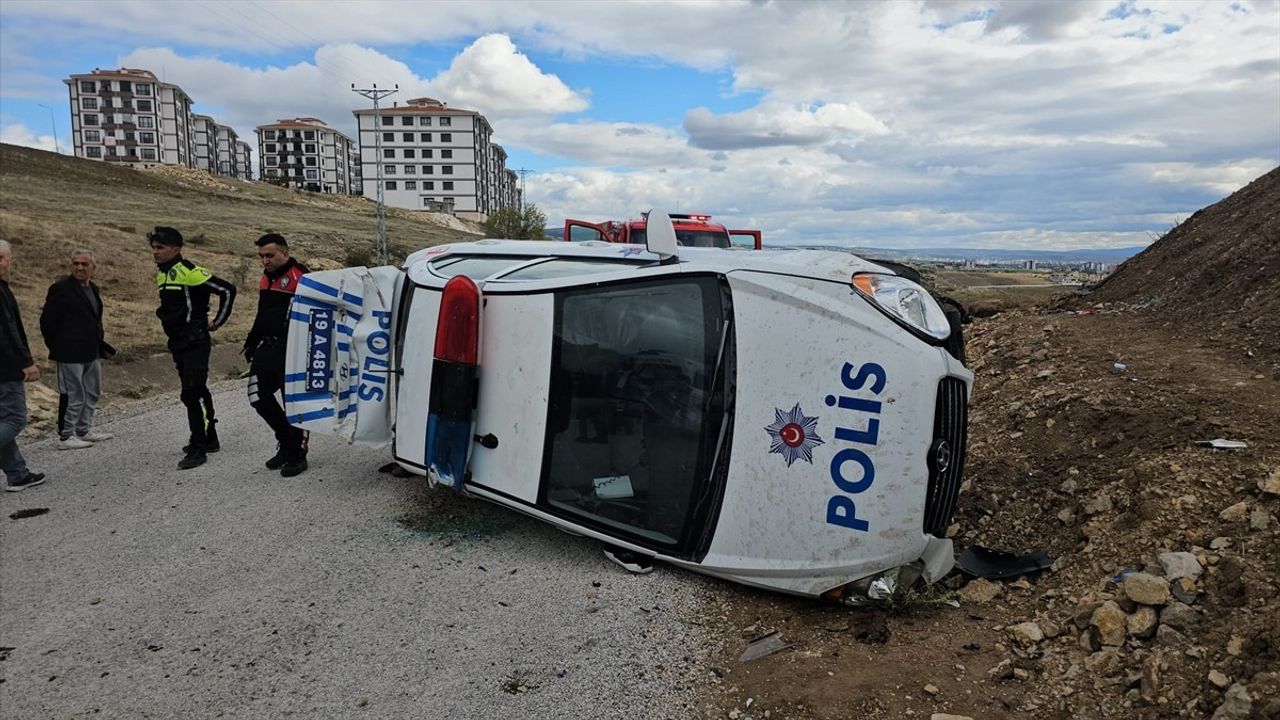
x=375, y=95
x=348, y=65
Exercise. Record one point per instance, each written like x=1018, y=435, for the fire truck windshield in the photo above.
x=688, y=238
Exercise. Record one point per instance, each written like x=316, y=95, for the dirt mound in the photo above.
x=1216, y=275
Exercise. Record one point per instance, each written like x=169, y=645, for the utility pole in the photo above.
x=54, y=123
x=375, y=95
x=523, y=172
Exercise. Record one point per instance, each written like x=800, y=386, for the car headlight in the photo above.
x=906, y=302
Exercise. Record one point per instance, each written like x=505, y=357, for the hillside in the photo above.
x=51, y=204
x=1216, y=275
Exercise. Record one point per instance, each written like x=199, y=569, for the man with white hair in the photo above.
x=16, y=367
x=71, y=324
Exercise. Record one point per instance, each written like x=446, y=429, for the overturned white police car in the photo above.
x=788, y=419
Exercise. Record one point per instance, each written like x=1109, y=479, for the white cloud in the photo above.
x=492, y=74
x=19, y=134
x=771, y=124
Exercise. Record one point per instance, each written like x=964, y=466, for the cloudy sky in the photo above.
x=927, y=123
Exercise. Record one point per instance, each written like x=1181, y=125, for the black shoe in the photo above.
x=32, y=480
x=194, y=458
x=295, y=465
x=279, y=460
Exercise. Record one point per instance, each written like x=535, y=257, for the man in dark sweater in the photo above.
x=71, y=323
x=264, y=349
x=185, y=289
x=16, y=367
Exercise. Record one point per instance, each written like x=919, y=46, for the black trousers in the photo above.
x=266, y=378
x=192, y=361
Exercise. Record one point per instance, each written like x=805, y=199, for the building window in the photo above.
x=146, y=121
x=148, y=153
x=89, y=103
x=428, y=152
x=126, y=86
x=268, y=134
x=446, y=137
x=93, y=136
x=269, y=147
x=424, y=137
x=428, y=169
x=410, y=169
x=410, y=184
x=88, y=86
x=142, y=89
x=446, y=169
x=407, y=137
x=309, y=135
x=148, y=138
x=390, y=184
x=447, y=185
x=387, y=120
x=143, y=105
x=313, y=174
x=388, y=169
x=408, y=152
x=426, y=121
x=388, y=137
x=429, y=185
x=406, y=120
x=273, y=172
x=93, y=152
x=446, y=153
x=388, y=153
x=310, y=161
x=309, y=148
x=89, y=120
x=446, y=122
x=272, y=160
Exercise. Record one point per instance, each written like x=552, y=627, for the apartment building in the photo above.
x=243, y=161
x=128, y=116
x=429, y=156
x=204, y=132
x=307, y=154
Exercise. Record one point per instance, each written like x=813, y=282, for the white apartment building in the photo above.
x=204, y=132
x=128, y=116
x=433, y=157
x=307, y=154
x=243, y=163
x=225, y=150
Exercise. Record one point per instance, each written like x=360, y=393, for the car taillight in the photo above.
x=458, y=327
x=452, y=401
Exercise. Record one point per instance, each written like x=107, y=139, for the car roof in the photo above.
x=819, y=264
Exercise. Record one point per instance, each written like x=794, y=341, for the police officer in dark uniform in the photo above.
x=265, y=351
x=185, y=289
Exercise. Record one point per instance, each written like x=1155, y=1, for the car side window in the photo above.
x=629, y=422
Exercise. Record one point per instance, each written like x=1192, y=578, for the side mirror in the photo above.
x=660, y=236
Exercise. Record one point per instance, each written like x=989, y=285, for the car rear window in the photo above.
x=567, y=267
x=476, y=268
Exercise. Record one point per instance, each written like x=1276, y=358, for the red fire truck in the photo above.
x=691, y=230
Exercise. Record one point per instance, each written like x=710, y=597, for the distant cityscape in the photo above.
x=420, y=155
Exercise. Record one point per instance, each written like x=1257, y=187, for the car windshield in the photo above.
x=568, y=267
x=687, y=238
x=632, y=426
x=476, y=268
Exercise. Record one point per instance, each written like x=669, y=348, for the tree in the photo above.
x=513, y=224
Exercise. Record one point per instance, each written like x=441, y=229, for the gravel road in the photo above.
x=229, y=591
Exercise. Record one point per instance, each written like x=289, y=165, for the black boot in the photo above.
x=195, y=457
x=211, y=443
x=278, y=460
x=295, y=465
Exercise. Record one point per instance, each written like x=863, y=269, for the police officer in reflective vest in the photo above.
x=185, y=289
x=265, y=346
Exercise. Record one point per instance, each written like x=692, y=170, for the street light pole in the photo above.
x=375, y=95
x=54, y=123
